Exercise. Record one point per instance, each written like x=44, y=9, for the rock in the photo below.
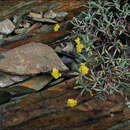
x=35, y=15
x=66, y=60
x=17, y=91
x=44, y=20
x=68, y=48
x=6, y=27
x=4, y=97
x=37, y=82
x=7, y=80
x=34, y=27
x=20, y=30
x=60, y=16
x=25, y=25
x=30, y=59
x=50, y=14
x=45, y=28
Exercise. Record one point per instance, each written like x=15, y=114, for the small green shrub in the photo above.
x=103, y=29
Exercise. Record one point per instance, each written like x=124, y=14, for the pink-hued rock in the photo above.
x=6, y=27
x=30, y=59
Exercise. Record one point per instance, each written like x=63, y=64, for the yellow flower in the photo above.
x=56, y=27
x=91, y=94
x=83, y=69
x=121, y=45
x=79, y=47
x=55, y=73
x=77, y=40
x=71, y=102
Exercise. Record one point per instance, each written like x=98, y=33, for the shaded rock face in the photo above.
x=5, y=97
x=30, y=59
x=7, y=80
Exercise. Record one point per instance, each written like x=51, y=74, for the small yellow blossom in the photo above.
x=55, y=73
x=71, y=102
x=91, y=94
x=56, y=27
x=79, y=47
x=121, y=45
x=83, y=69
x=77, y=40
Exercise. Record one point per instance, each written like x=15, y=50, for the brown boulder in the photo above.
x=30, y=59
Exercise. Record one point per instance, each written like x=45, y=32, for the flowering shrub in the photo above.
x=103, y=49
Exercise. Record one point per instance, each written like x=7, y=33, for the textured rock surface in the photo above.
x=7, y=80
x=37, y=82
x=30, y=59
x=6, y=26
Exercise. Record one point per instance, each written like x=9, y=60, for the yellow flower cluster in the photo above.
x=56, y=27
x=55, y=73
x=83, y=69
x=79, y=45
x=77, y=40
x=121, y=45
x=71, y=102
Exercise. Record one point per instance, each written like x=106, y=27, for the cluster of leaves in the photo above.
x=101, y=28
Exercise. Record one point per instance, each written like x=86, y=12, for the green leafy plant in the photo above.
x=101, y=28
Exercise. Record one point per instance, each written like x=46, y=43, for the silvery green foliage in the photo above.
x=108, y=18
x=100, y=28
